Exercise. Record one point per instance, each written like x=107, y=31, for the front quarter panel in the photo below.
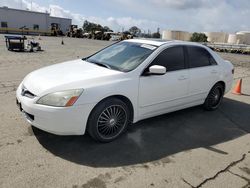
x=126, y=85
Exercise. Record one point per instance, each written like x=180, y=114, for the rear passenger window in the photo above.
x=172, y=58
x=199, y=57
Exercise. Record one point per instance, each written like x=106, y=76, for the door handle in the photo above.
x=214, y=71
x=182, y=78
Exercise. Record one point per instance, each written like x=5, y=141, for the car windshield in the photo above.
x=122, y=56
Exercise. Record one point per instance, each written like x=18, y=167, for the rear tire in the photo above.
x=108, y=120
x=214, y=97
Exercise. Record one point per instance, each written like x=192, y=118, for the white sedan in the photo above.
x=122, y=84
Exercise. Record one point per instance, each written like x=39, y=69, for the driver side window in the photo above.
x=172, y=58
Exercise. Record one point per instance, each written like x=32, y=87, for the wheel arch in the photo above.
x=124, y=99
x=222, y=83
x=207, y=104
x=218, y=82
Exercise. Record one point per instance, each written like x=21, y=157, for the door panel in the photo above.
x=204, y=72
x=202, y=80
x=158, y=93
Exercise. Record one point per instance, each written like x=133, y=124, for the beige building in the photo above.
x=232, y=38
x=216, y=37
x=243, y=37
x=176, y=35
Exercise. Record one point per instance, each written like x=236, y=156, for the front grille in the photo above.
x=25, y=92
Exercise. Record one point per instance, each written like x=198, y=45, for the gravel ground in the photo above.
x=238, y=60
x=188, y=148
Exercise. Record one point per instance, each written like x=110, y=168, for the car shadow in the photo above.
x=155, y=138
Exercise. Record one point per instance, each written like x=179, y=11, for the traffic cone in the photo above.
x=62, y=42
x=237, y=89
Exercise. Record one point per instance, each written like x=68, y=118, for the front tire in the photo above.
x=214, y=97
x=108, y=120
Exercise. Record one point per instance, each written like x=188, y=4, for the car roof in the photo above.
x=149, y=41
x=159, y=42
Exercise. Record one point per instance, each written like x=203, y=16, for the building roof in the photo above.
x=21, y=10
x=33, y=12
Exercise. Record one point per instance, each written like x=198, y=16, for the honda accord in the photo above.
x=121, y=84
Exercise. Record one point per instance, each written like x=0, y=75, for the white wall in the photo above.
x=17, y=18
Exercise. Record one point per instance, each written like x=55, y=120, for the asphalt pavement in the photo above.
x=187, y=148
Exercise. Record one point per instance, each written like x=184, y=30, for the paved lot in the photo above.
x=188, y=148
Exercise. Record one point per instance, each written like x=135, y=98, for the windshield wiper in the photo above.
x=102, y=65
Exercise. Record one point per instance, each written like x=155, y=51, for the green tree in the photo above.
x=134, y=30
x=198, y=37
x=106, y=28
x=156, y=35
x=87, y=26
x=92, y=27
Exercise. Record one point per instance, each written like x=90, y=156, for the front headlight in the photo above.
x=61, y=98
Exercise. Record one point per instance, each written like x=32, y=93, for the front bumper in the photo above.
x=57, y=120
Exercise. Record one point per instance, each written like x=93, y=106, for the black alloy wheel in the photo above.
x=214, y=97
x=108, y=120
x=111, y=121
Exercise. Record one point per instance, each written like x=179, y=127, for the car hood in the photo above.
x=68, y=75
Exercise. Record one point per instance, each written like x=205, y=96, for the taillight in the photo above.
x=232, y=71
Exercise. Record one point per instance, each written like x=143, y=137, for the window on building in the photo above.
x=4, y=24
x=36, y=27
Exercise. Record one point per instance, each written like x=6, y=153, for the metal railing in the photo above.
x=231, y=48
x=228, y=46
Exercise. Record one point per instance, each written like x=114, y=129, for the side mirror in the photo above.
x=157, y=70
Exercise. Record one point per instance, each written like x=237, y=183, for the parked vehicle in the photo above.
x=122, y=84
x=115, y=37
x=18, y=43
x=106, y=35
x=56, y=30
x=75, y=32
x=15, y=43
